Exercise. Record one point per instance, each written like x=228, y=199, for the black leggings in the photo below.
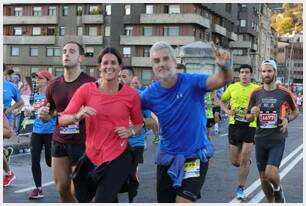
x=37, y=143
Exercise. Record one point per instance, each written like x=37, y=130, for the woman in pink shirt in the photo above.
x=108, y=108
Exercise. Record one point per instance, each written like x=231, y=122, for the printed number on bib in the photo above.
x=268, y=120
x=240, y=116
x=70, y=129
x=192, y=169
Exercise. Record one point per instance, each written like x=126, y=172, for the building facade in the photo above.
x=35, y=33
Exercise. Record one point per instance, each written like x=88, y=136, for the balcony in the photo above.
x=85, y=40
x=174, y=19
x=92, y=19
x=11, y=20
x=34, y=40
x=150, y=40
x=141, y=62
x=219, y=29
x=233, y=36
x=240, y=44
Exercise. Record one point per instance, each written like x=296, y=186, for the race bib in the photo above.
x=70, y=129
x=268, y=121
x=240, y=116
x=192, y=169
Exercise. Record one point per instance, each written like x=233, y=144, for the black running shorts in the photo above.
x=239, y=134
x=72, y=151
x=190, y=189
x=269, y=152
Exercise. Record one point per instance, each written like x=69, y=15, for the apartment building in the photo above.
x=35, y=33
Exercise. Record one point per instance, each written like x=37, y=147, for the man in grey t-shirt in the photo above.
x=270, y=105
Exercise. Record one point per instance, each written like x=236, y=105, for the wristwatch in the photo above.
x=133, y=132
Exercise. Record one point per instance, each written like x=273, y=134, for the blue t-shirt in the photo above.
x=39, y=126
x=181, y=113
x=138, y=140
x=10, y=92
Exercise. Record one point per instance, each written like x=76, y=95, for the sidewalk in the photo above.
x=20, y=144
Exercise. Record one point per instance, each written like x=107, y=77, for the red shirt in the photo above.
x=102, y=143
x=58, y=94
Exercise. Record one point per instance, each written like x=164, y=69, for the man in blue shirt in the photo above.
x=177, y=101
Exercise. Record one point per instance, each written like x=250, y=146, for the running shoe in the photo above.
x=36, y=194
x=156, y=139
x=8, y=153
x=8, y=179
x=240, y=194
x=279, y=196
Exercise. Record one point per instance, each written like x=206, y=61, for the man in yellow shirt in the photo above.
x=240, y=131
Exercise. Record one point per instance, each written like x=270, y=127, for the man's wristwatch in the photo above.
x=133, y=131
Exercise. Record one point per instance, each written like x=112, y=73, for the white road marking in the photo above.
x=32, y=188
x=260, y=195
x=257, y=183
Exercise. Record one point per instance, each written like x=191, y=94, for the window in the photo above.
x=37, y=11
x=149, y=9
x=171, y=31
x=107, y=31
x=146, y=52
x=50, y=30
x=53, y=51
x=33, y=52
x=228, y=8
x=243, y=23
x=92, y=31
x=126, y=51
x=127, y=9
x=238, y=52
x=65, y=10
x=62, y=31
x=147, y=31
x=36, y=31
x=35, y=69
x=17, y=31
x=243, y=5
x=80, y=31
x=18, y=11
x=128, y=31
x=89, y=51
x=15, y=51
x=108, y=9
x=79, y=11
x=174, y=9
x=52, y=11
x=95, y=10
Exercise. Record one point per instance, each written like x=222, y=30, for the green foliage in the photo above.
x=289, y=20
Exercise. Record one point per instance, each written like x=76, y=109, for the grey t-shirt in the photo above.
x=273, y=105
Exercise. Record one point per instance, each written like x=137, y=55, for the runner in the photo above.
x=10, y=93
x=269, y=105
x=299, y=101
x=240, y=131
x=8, y=175
x=108, y=108
x=68, y=144
x=211, y=102
x=177, y=100
x=41, y=134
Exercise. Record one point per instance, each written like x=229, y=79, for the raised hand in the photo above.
x=221, y=56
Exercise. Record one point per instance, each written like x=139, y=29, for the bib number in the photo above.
x=192, y=169
x=70, y=129
x=268, y=121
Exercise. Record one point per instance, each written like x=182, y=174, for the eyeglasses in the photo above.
x=123, y=76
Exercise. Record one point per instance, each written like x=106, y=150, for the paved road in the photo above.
x=221, y=180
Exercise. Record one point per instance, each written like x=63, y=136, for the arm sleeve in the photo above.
x=136, y=113
x=291, y=101
x=199, y=81
x=251, y=103
x=144, y=99
x=49, y=98
x=77, y=100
